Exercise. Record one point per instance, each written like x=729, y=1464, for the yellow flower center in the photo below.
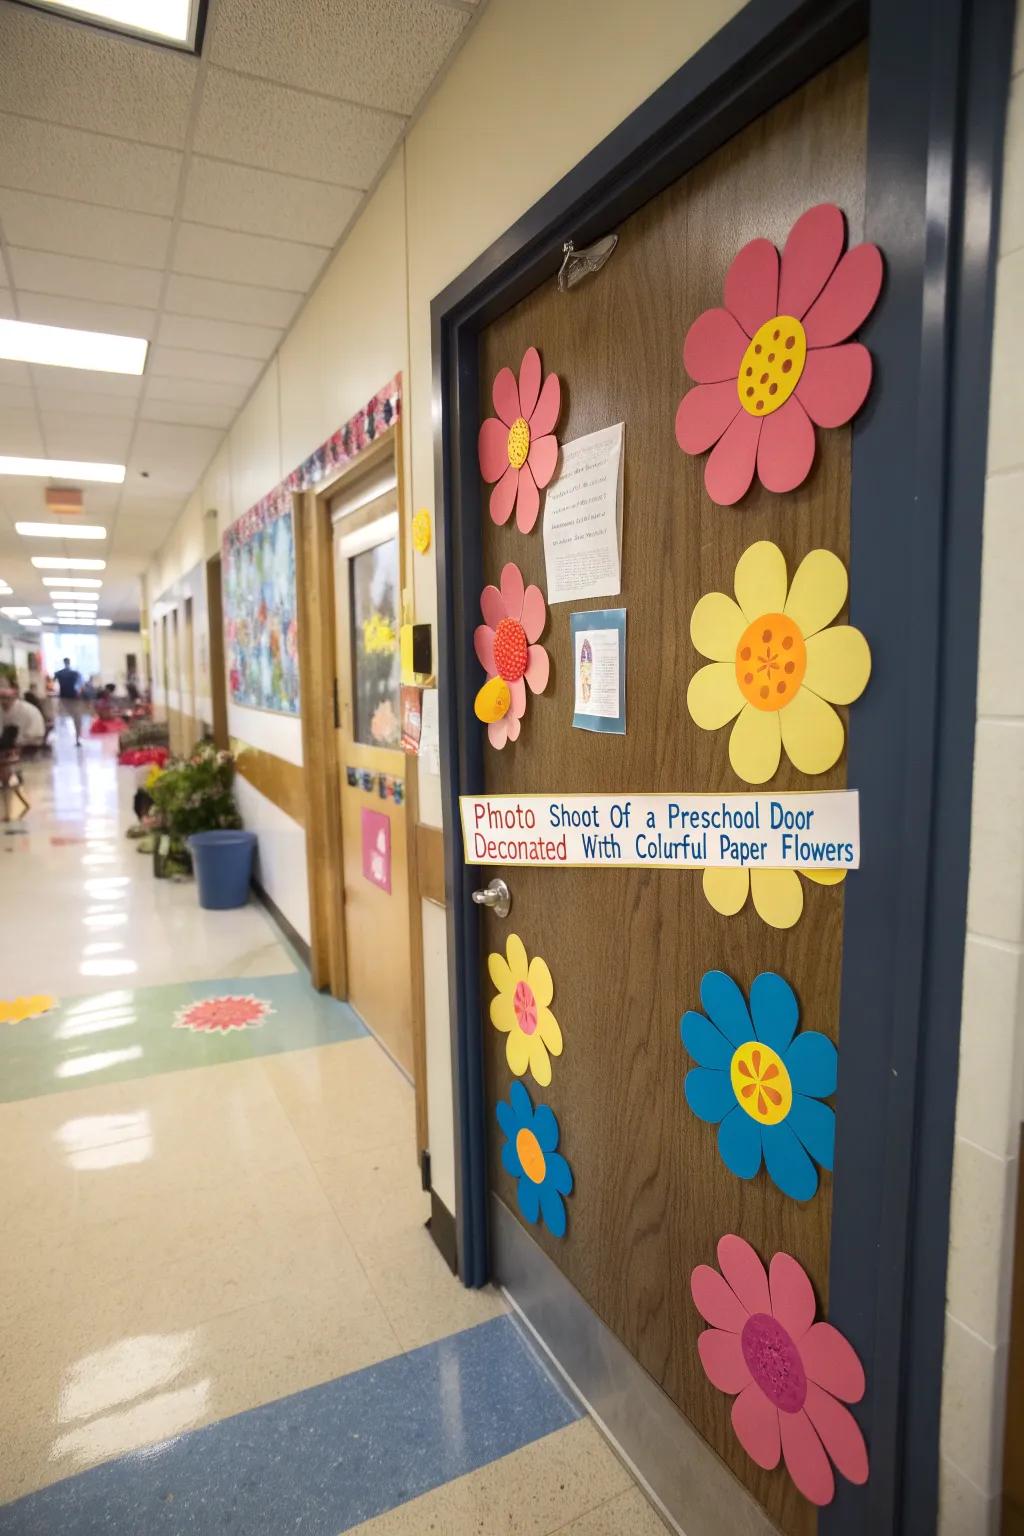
x=531, y=1157
x=761, y=1083
x=771, y=660
x=771, y=366
x=518, y=443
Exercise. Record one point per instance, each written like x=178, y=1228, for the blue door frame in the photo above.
x=938, y=83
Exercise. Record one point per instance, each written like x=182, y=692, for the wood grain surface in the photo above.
x=627, y=948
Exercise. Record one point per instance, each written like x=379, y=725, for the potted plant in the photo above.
x=194, y=812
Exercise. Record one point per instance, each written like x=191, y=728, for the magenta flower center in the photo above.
x=525, y=1006
x=774, y=1362
x=510, y=649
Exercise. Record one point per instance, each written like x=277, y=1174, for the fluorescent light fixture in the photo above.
x=71, y=581
x=32, y=623
x=58, y=563
x=59, y=530
x=98, y=351
x=15, y=613
x=63, y=469
x=173, y=21
x=104, y=623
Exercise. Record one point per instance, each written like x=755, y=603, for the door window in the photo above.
x=376, y=671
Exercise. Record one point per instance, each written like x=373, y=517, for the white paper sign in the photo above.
x=597, y=683
x=583, y=519
x=430, y=735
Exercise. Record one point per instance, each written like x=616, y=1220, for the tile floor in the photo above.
x=219, y=1307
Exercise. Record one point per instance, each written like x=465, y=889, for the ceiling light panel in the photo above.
x=169, y=21
x=59, y=563
x=15, y=613
x=60, y=530
x=59, y=347
x=71, y=581
x=63, y=469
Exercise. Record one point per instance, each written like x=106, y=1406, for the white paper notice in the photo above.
x=430, y=736
x=597, y=673
x=583, y=519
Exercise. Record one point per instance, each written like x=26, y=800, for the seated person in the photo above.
x=29, y=721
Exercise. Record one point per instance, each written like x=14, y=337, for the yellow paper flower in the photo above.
x=777, y=667
x=421, y=531
x=777, y=893
x=379, y=635
x=16, y=1009
x=522, y=1010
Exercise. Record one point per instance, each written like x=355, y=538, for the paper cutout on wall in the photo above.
x=422, y=531
x=390, y=788
x=15, y=1010
x=506, y=648
x=777, y=893
x=769, y=366
x=761, y=1082
x=518, y=448
x=530, y=1156
x=788, y=1375
x=778, y=663
x=221, y=1015
x=522, y=1010
x=376, y=829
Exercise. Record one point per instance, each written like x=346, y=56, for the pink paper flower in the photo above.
x=218, y=1015
x=506, y=648
x=518, y=448
x=787, y=1372
x=769, y=367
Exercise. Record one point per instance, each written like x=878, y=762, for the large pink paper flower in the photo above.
x=769, y=366
x=789, y=1372
x=517, y=448
x=506, y=648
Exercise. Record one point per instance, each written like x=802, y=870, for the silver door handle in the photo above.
x=497, y=896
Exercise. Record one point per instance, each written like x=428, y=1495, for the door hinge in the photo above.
x=425, y=1169
x=337, y=707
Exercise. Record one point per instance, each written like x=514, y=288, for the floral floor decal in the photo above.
x=218, y=1015
x=15, y=1010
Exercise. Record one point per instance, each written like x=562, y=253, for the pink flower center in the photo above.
x=525, y=1006
x=510, y=650
x=774, y=1362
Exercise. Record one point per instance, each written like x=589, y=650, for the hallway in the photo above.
x=218, y=1304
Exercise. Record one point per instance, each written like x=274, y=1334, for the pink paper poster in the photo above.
x=377, y=849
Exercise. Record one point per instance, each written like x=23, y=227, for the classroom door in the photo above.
x=627, y=948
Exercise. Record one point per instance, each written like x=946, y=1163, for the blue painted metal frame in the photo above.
x=939, y=72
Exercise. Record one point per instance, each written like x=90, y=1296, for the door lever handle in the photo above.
x=496, y=896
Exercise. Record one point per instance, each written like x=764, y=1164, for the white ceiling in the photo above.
x=190, y=201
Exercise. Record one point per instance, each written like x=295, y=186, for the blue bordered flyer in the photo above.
x=599, y=670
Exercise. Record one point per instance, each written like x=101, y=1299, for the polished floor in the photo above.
x=219, y=1308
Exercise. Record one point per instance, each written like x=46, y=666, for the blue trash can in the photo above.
x=223, y=865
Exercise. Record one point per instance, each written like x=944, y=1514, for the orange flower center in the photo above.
x=531, y=1158
x=771, y=366
x=510, y=650
x=761, y=1083
x=771, y=660
x=518, y=443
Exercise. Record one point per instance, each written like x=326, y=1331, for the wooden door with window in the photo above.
x=627, y=948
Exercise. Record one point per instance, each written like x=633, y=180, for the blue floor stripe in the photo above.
x=325, y=1459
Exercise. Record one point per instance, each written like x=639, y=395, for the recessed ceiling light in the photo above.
x=60, y=531
x=32, y=623
x=56, y=345
x=58, y=563
x=63, y=469
x=15, y=613
x=173, y=21
x=71, y=581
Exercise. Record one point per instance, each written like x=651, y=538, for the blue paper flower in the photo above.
x=760, y=1082
x=529, y=1154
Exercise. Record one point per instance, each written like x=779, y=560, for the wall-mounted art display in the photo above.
x=788, y=1375
x=518, y=450
x=778, y=663
x=522, y=1010
x=530, y=1155
x=777, y=894
x=599, y=670
x=260, y=609
x=772, y=364
x=506, y=647
x=761, y=1082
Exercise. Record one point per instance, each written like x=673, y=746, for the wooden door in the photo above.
x=627, y=948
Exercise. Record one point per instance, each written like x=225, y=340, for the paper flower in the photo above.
x=218, y=1015
x=761, y=1086
x=768, y=367
x=521, y=1010
x=529, y=1153
x=789, y=1375
x=421, y=531
x=778, y=894
x=776, y=664
x=506, y=648
x=15, y=1010
x=518, y=448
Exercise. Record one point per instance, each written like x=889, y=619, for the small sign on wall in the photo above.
x=377, y=849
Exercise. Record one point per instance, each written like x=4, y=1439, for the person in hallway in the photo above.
x=25, y=718
x=69, y=683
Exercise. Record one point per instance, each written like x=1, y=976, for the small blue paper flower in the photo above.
x=529, y=1154
x=760, y=1082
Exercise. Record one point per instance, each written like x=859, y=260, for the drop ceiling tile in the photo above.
x=203, y=252
x=278, y=129
x=85, y=400
x=204, y=392
x=264, y=203
x=65, y=162
x=218, y=336
x=85, y=78
x=86, y=314
x=127, y=385
x=204, y=296
x=171, y=362
x=6, y=305
x=13, y=398
x=140, y=538
x=15, y=373
x=78, y=278
x=156, y=508
x=187, y=413
x=19, y=434
x=78, y=229
x=174, y=456
x=74, y=436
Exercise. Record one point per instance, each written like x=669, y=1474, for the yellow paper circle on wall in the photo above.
x=493, y=700
x=421, y=531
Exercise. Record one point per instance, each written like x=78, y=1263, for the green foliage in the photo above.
x=193, y=794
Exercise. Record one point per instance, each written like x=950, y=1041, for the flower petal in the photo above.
x=726, y=889
x=819, y=590
x=785, y=451
x=538, y=979
x=812, y=1062
x=503, y=497
x=528, y=1195
x=497, y=968
x=756, y=1422
x=835, y=383
x=503, y=1014
x=535, y=614
x=537, y=668
x=559, y=1173
x=505, y=394
x=721, y=1355
x=529, y=382
x=716, y=1301
x=778, y=896
x=739, y=1144
x=545, y=414
x=847, y=299
x=793, y=1301
x=512, y=590
x=760, y=581
x=540, y=1065
x=726, y=1007
x=704, y=413
x=517, y=709
x=542, y=459
x=552, y=1208
x=752, y=285
x=744, y=1271
x=825, y=876
x=809, y=258
x=831, y=1360
x=517, y=1052
x=788, y=1165
x=509, y=1121
x=512, y=722
x=730, y=466
x=518, y=965
x=528, y=504
x=714, y=348
x=706, y=1044
x=716, y=625
x=839, y=1432
x=510, y=1160
x=812, y=733
x=838, y=664
x=713, y=696
x=755, y=745
x=492, y=606
x=492, y=449
x=549, y=1032
x=806, y=1461
x=545, y=1127
x=521, y=1103
x=497, y=732
x=483, y=644
x=773, y=1006
x=814, y=1124
x=709, y=1094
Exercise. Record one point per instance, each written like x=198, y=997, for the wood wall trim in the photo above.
x=430, y=863
x=281, y=782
